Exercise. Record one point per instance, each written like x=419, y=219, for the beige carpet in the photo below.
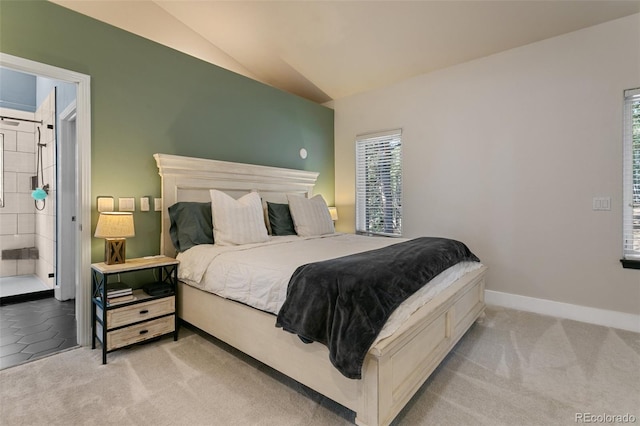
x=515, y=368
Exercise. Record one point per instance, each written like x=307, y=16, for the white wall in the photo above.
x=506, y=153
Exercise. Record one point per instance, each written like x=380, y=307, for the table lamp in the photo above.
x=334, y=213
x=115, y=227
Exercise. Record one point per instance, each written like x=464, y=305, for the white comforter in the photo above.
x=258, y=274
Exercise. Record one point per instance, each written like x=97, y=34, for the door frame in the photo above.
x=83, y=180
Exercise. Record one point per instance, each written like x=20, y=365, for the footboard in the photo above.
x=397, y=367
x=394, y=369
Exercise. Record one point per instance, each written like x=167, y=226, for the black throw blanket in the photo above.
x=343, y=303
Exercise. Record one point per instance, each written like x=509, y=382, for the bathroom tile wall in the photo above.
x=17, y=217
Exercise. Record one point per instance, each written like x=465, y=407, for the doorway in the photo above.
x=28, y=128
x=38, y=186
x=76, y=252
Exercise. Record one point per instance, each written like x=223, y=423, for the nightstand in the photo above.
x=118, y=325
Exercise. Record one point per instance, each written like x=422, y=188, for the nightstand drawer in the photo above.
x=140, y=332
x=140, y=312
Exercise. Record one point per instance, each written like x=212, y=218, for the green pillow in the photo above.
x=191, y=224
x=280, y=219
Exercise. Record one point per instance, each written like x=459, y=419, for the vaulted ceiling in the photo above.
x=324, y=50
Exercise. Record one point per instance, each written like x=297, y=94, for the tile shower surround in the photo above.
x=21, y=225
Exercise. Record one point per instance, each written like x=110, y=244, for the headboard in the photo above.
x=190, y=179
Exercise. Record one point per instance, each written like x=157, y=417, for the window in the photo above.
x=379, y=183
x=631, y=175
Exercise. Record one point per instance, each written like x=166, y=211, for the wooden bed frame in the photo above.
x=394, y=368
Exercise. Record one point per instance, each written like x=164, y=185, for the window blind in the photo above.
x=379, y=183
x=631, y=175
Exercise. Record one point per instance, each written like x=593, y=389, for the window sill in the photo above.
x=378, y=234
x=630, y=264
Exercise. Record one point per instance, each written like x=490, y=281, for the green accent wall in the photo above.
x=148, y=98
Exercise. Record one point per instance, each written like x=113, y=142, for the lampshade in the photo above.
x=334, y=213
x=115, y=225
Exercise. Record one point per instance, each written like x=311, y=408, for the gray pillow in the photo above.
x=191, y=224
x=280, y=219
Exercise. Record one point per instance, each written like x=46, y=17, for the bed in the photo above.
x=394, y=368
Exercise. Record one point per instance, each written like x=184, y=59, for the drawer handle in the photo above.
x=144, y=311
x=144, y=331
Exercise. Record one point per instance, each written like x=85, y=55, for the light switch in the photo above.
x=105, y=204
x=157, y=204
x=144, y=204
x=601, y=203
x=127, y=204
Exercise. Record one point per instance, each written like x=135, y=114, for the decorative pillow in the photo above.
x=238, y=221
x=280, y=219
x=190, y=224
x=310, y=215
x=265, y=213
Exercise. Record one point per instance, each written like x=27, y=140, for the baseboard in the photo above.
x=587, y=314
x=26, y=297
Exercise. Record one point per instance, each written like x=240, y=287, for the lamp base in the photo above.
x=114, y=251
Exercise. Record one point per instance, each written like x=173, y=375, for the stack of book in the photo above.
x=119, y=293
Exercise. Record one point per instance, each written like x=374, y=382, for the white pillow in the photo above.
x=310, y=215
x=238, y=221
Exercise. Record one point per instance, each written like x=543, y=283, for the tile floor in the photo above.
x=36, y=328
